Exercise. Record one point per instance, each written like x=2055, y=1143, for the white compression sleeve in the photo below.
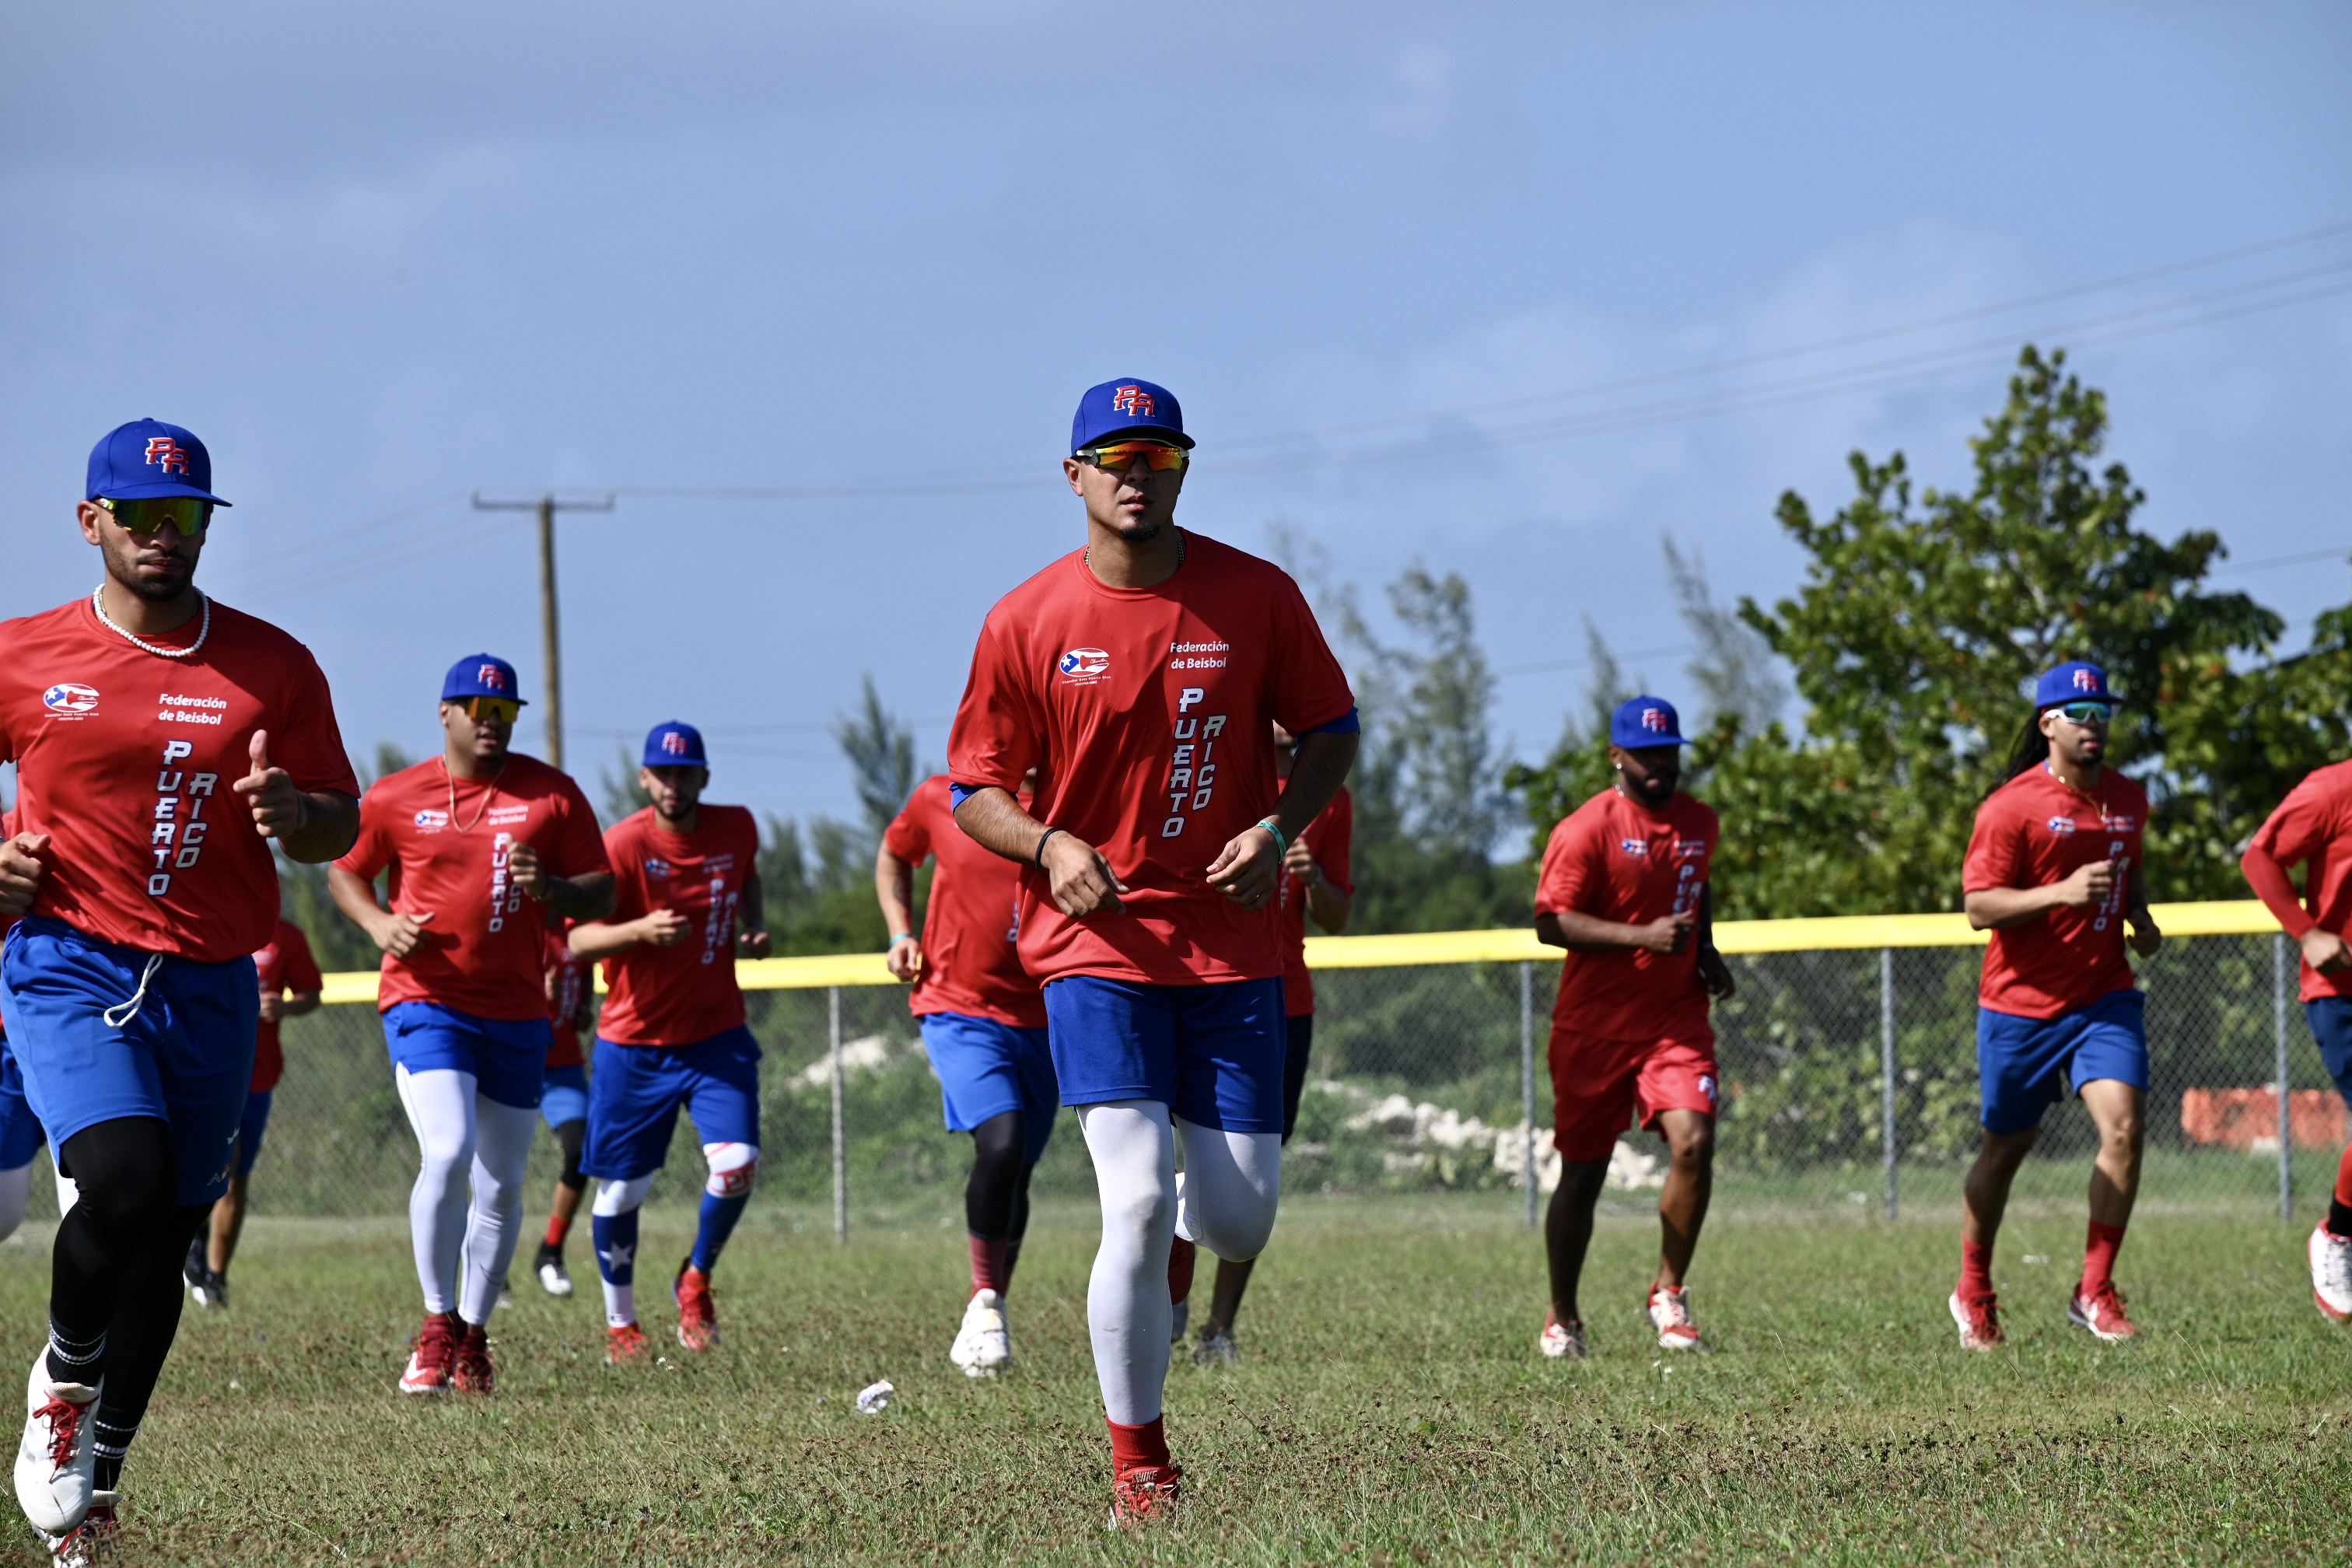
x=494, y=1224
x=1134, y=1151
x=1232, y=1183
x=16, y=1191
x=440, y=1106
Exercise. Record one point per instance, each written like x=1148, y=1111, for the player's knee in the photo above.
x=1692, y=1143
x=733, y=1167
x=618, y=1196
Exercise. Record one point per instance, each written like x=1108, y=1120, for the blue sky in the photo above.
x=378, y=260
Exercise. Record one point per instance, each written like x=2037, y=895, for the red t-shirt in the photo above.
x=2035, y=831
x=1328, y=839
x=2313, y=826
x=1146, y=713
x=126, y=759
x=679, y=996
x=1617, y=860
x=972, y=926
x=284, y=965
x=480, y=952
x=567, y=986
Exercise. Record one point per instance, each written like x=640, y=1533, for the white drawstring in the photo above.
x=129, y=1010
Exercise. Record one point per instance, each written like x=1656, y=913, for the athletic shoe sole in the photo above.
x=2312, y=1251
x=2077, y=1318
x=1969, y=1342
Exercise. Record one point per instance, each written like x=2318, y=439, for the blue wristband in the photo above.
x=1281, y=839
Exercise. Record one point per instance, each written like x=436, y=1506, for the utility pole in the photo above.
x=550, y=646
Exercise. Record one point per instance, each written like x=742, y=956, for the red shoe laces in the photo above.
x=64, y=1425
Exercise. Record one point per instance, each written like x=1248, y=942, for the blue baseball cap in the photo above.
x=1645, y=721
x=480, y=675
x=1129, y=407
x=147, y=458
x=2073, y=681
x=674, y=745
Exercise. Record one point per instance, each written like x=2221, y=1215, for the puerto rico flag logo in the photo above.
x=168, y=453
x=1086, y=664
x=2060, y=827
x=1638, y=847
x=71, y=697
x=429, y=818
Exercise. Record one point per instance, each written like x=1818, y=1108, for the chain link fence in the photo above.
x=1430, y=1076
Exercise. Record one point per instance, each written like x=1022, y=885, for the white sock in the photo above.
x=1134, y=1151
x=1230, y=1189
x=440, y=1106
x=494, y=1221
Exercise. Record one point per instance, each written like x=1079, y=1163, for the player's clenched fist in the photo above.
x=526, y=876
x=1246, y=869
x=2091, y=884
x=399, y=935
x=1084, y=884
x=662, y=928
x=905, y=959
x=277, y=807
x=20, y=871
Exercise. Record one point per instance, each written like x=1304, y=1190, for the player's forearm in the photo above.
x=1328, y=905
x=992, y=819
x=593, y=940
x=2272, y=885
x=355, y=898
x=1581, y=932
x=751, y=907
x=894, y=889
x=300, y=1003
x=583, y=898
x=1998, y=909
x=1318, y=769
x=331, y=826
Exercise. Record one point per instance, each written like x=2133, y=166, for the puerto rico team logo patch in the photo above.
x=70, y=699
x=432, y=820
x=1639, y=848
x=1085, y=665
x=2062, y=826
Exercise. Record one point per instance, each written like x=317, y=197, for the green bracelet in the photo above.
x=1281, y=839
x=902, y=936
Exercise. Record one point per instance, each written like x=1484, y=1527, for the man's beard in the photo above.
x=1143, y=533
x=156, y=591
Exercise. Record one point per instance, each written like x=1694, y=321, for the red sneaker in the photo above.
x=2102, y=1312
x=1146, y=1494
x=1978, y=1317
x=1668, y=1309
x=698, y=1314
x=473, y=1373
x=625, y=1344
x=430, y=1354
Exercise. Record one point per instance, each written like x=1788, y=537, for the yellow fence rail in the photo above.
x=2245, y=917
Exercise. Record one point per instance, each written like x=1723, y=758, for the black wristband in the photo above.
x=1040, y=856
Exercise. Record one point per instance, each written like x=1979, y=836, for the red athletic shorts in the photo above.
x=1601, y=1087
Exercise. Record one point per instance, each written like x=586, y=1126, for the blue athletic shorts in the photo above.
x=986, y=1068
x=565, y=1098
x=1211, y=1054
x=250, y=1129
x=507, y=1056
x=184, y=1057
x=2025, y=1065
x=20, y=1130
x=635, y=1095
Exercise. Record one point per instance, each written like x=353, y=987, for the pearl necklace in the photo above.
x=97, y=602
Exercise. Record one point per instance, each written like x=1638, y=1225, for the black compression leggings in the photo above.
x=996, y=1198
x=568, y=1138
x=115, y=1271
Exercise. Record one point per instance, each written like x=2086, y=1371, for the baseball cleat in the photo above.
x=2102, y=1312
x=984, y=1346
x=1978, y=1319
x=1217, y=1347
x=1146, y=1495
x=1669, y=1314
x=430, y=1356
x=698, y=1314
x=552, y=1276
x=625, y=1344
x=90, y=1542
x=2331, y=1273
x=1561, y=1342
x=55, y=1460
x=470, y=1369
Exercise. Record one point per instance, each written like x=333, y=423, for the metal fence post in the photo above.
x=1528, y=1080
x=2285, y=1119
x=840, y=1152
x=1886, y=1067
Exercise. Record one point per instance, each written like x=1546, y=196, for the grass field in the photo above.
x=1392, y=1409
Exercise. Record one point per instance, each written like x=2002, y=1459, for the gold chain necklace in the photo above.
x=488, y=794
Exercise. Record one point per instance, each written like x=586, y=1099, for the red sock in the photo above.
x=558, y=1227
x=991, y=1269
x=1976, y=1269
x=1138, y=1448
x=1181, y=1256
x=2099, y=1256
x=2344, y=1178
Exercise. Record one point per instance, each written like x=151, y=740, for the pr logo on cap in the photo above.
x=673, y=744
x=491, y=675
x=2085, y=681
x=170, y=454
x=1655, y=721
x=1133, y=400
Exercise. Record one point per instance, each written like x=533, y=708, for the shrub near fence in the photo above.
x=1429, y=1074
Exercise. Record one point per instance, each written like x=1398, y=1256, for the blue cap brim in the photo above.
x=1144, y=433
x=156, y=489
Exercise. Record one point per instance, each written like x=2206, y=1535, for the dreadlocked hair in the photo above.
x=2028, y=752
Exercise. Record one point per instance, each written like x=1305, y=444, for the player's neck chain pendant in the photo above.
x=204, y=628
x=2099, y=800
x=488, y=794
x=1086, y=555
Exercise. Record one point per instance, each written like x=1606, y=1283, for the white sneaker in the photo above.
x=983, y=1346
x=1561, y=1342
x=553, y=1279
x=55, y=1460
x=1217, y=1349
x=2331, y=1273
x=92, y=1541
x=1669, y=1312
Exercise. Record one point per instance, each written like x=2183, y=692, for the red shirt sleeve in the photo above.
x=629, y=897
x=2304, y=825
x=1568, y=875
x=1993, y=858
x=1306, y=688
x=298, y=967
x=997, y=725
x=308, y=745
x=908, y=836
x=371, y=852
x=578, y=846
x=1334, y=837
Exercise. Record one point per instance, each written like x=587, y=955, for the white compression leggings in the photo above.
x=1226, y=1203
x=467, y=1140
